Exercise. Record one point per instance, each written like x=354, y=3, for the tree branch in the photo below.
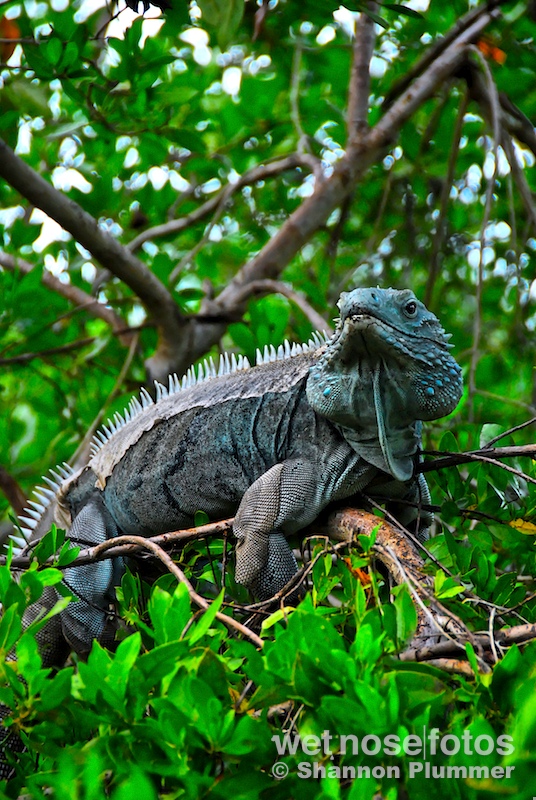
x=441, y=227
x=518, y=634
x=438, y=47
x=487, y=454
x=493, y=100
x=258, y=173
x=176, y=571
x=278, y=287
x=182, y=342
x=23, y=358
x=446, y=63
x=359, y=88
x=12, y=491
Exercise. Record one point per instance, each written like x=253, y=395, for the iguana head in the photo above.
x=387, y=366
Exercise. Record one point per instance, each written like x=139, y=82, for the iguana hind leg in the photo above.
x=88, y=617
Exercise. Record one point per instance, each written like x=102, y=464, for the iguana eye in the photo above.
x=411, y=308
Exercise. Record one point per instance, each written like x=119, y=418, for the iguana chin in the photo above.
x=273, y=444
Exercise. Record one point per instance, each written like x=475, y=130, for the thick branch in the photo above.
x=181, y=342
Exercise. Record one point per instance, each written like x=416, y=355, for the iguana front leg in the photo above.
x=281, y=501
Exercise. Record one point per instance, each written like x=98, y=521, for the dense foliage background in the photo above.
x=211, y=178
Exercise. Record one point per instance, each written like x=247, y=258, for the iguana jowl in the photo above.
x=273, y=444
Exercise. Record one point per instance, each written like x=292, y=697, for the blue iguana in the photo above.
x=273, y=444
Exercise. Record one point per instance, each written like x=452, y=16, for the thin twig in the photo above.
x=176, y=571
x=511, y=401
x=446, y=459
x=509, y=432
x=23, y=358
x=260, y=172
x=294, y=98
x=520, y=178
x=112, y=548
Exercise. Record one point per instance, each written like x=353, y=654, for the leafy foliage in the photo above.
x=181, y=709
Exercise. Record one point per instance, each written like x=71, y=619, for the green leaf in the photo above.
x=200, y=628
x=169, y=613
x=409, y=12
x=224, y=16
x=52, y=50
x=375, y=18
x=10, y=628
x=445, y=587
